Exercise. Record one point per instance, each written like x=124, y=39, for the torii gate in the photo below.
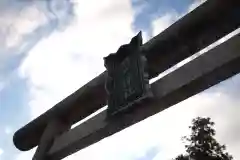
x=214, y=19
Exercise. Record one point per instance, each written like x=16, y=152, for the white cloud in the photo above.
x=27, y=20
x=195, y=4
x=2, y=85
x=63, y=62
x=25, y=155
x=17, y=23
x=1, y=151
x=8, y=130
x=163, y=22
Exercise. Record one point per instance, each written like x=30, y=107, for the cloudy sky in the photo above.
x=51, y=48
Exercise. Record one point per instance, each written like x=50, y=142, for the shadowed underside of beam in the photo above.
x=209, y=22
x=199, y=74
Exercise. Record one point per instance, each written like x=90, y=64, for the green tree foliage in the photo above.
x=201, y=144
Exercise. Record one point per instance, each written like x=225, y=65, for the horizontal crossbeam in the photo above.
x=209, y=22
x=197, y=75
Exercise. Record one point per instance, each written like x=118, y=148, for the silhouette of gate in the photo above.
x=214, y=19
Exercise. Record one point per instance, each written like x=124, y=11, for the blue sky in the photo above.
x=46, y=53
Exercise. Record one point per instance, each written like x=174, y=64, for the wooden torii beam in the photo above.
x=199, y=74
x=203, y=26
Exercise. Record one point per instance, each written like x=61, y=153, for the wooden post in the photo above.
x=53, y=129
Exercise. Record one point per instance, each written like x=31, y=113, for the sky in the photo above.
x=50, y=48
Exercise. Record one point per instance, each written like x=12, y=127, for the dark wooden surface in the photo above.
x=199, y=74
x=201, y=27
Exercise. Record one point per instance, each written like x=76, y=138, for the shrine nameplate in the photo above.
x=127, y=81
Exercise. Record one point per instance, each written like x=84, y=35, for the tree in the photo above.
x=201, y=144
